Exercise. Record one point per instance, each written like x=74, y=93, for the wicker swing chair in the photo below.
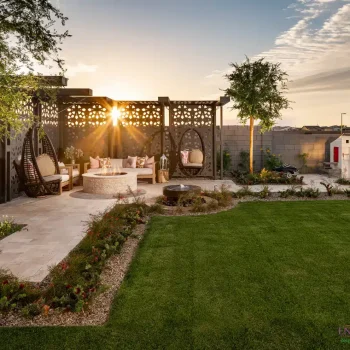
x=32, y=182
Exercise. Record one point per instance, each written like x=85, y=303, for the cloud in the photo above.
x=309, y=48
x=73, y=70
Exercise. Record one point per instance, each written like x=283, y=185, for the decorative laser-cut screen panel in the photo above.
x=16, y=144
x=141, y=114
x=193, y=114
x=191, y=126
x=86, y=127
x=140, y=131
x=49, y=119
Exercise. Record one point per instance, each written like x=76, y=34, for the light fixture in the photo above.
x=115, y=115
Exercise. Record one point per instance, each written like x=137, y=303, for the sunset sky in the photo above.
x=138, y=49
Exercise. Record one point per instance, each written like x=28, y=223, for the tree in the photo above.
x=28, y=38
x=257, y=89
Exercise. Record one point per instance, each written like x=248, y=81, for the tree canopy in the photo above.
x=29, y=38
x=257, y=89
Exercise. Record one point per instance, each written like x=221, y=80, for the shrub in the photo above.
x=265, y=192
x=271, y=161
x=347, y=192
x=76, y=279
x=243, y=165
x=342, y=181
x=8, y=226
x=243, y=192
x=227, y=162
x=309, y=192
x=289, y=192
x=223, y=196
x=156, y=209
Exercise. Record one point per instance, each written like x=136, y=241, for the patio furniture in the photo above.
x=33, y=181
x=119, y=164
x=76, y=173
x=112, y=184
x=193, y=163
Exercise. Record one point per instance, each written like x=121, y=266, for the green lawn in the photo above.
x=261, y=276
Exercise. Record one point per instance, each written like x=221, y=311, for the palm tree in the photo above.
x=257, y=89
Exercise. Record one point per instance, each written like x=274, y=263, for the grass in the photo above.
x=262, y=276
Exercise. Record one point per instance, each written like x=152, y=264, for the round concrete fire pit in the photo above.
x=109, y=184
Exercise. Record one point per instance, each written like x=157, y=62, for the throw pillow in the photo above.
x=131, y=162
x=196, y=156
x=46, y=165
x=149, y=163
x=184, y=157
x=140, y=162
x=94, y=163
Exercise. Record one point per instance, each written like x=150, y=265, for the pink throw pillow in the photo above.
x=184, y=157
x=131, y=162
x=95, y=163
x=149, y=163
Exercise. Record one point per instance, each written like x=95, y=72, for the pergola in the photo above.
x=158, y=127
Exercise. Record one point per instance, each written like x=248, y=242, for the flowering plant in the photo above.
x=73, y=153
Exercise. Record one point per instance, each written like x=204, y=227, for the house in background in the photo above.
x=340, y=154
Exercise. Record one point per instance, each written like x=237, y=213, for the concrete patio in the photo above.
x=56, y=224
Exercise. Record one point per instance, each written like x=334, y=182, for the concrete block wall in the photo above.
x=286, y=144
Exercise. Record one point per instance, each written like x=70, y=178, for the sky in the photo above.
x=142, y=49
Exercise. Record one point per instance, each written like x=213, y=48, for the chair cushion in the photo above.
x=116, y=163
x=193, y=165
x=53, y=177
x=75, y=172
x=196, y=156
x=46, y=165
x=140, y=162
x=131, y=162
x=94, y=162
x=138, y=171
x=149, y=163
x=184, y=157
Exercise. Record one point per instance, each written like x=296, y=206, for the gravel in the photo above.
x=97, y=314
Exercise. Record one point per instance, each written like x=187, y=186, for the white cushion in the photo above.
x=75, y=172
x=116, y=163
x=141, y=171
x=193, y=165
x=64, y=178
x=138, y=171
x=52, y=177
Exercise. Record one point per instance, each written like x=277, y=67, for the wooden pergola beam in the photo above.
x=74, y=92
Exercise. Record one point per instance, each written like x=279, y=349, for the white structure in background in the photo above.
x=340, y=154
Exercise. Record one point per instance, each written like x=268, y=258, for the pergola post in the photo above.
x=214, y=144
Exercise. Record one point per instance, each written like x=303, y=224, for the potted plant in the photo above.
x=73, y=153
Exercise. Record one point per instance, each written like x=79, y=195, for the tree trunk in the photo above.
x=251, y=143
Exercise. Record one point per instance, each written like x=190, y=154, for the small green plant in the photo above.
x=347, y=192
x=271, y=161
x=243, y=165
x=244, y=191
x=309, y=192
x=156, y=209
x=303, y=158
x=265, y=192
x=291, y=191
x=227, y=161
x=343, y=181
x=223, y=196
x=8, y=226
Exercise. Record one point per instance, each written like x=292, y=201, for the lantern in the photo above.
x=164, y=163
